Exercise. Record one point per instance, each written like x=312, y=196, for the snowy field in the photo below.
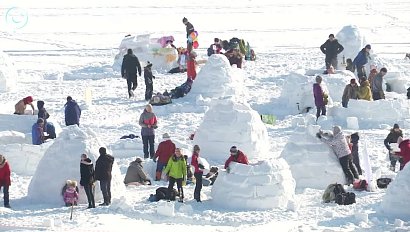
x=53, y=49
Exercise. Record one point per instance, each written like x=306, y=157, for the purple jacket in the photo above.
x=318, y=94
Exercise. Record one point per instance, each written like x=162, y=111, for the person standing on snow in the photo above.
x=197, y=173
x=21, y=105
x=129, y=68
x=87, y=179
x=354, y=139
x=377, y=85
x=189, y=29
x=177, y=172
x=103, y=169
x=72, y=112
x=331, y=48
x=149, y=84
x=337, y=141
x=236, y=156
x=191, y=65
x=148, y=123
x=392, y=137
x=361, y=60
x=164, y=152
x=320, y=98
x=5, y=181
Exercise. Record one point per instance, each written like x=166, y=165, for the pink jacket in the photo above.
x=70, y=195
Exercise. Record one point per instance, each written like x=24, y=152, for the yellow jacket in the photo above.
x=364, y=91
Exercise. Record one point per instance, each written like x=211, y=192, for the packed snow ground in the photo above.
x=68, y=47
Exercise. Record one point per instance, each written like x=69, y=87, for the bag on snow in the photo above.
x=360, y=185
x=347, y=198
x=383, y=182
x=331, y=192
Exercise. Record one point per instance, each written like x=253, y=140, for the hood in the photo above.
x=336, y=130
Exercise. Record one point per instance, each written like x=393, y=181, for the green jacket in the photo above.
x=176, y=167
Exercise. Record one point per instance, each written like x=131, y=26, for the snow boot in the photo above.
x=158, y=176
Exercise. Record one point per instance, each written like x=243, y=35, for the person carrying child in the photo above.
x=70, y=193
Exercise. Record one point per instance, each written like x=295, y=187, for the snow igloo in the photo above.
x=228, y=123
x=61, y=162
x=352, y=40
x=218, y=79
x=8, y=74
x=395, y=202
x=312, y=163
x=260, y=186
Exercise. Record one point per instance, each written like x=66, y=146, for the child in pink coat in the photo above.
x=70, y=193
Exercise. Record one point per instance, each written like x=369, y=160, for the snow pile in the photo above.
x=352, y=40
x=265, y=185
x=17, y=128
x=395, y=202
x=62, y=162
x=24, y=158
x=229, y=123
x=218, y=79
x=147, y=49
x=312, y=162
x=8, y=74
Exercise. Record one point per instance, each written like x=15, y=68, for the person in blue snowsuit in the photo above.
x=72, y=112
x=37, y=132
x=361, y=60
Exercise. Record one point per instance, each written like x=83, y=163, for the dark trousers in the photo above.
x=347, y=166
x=393, y=159
x=320, y=110
x=198, y=186
x=361, y=71
x=376, y=95
x=148, y=91
x=5, y=194
x=331, y=62
x=344, y=103
x=356, y=161
x=131, y=83
x=171, y=184
x=105, y=186
x=89, y=191
x=148, y=140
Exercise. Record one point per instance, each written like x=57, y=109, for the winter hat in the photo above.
x=40, y=104
x=129, y=51
x=2, y=160
x=332, y=35
x=336, y=130
x=69, y=98
x=354, y=137
x=166, y=136
x=353, y=81
x=234, y=150
x=399, y=140
x=396, y=126
x=149, y=64
x=368, y=46
x=28, y=99
x=196, y=148
x=184, y=20
x=102, y=151
x=138, y=160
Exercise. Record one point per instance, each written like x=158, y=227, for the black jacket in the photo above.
x=103, y=167
x=392, y=138
x=87, y=172
x=189, y=29
x=148, y=76
x=331, y=48
x=130, y=66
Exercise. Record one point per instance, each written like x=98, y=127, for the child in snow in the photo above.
x=191, y=65
x=177, y=172
x=349, y=65
x=70, y=193
x=149, y=84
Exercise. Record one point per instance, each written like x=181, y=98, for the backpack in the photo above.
x=338, y=189
x=331, y=192
x=347, y=198
x=383, y=182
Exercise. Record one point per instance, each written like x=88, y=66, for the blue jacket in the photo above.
x=362, y=58
x=72, y=113
x=37, y=134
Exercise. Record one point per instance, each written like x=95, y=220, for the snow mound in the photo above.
x=229, y=123
x=395, y=202
x=24, y=158
x=62, y=162
x=218, y=79
x=146, y=49
x=8, y=74
x=352, y=40
x=313, y=163
x=265, y=185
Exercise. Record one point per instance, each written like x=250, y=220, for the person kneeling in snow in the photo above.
x=338, y=143
x=236, y=156
x=70, y=193
x=37, y=132
x=135, y=174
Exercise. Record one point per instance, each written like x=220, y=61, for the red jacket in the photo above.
x=239, y=158
x=405, y=151
x=5, y=175
x=190, y=69
x=195, y=163
x=164, y=151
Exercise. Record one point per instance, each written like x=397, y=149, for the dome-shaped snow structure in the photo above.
x=313, y=163
x=265, y=185
x=8, y=74
x=352, y=40
x=218, y=79
x=229, y=123
x=61, y=162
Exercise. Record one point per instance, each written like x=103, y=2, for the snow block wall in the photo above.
x=218, y=79
x=62, y=162
x=265, y=185
x=8, y=73
x=396, y=202
x=228, y=123
x=312, y=162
